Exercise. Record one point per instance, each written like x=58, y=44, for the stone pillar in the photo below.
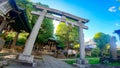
x=82, y=46
x=82, y=60
x=26, y=55
x=113, y=48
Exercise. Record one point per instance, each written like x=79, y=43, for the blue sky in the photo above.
x=104, y=15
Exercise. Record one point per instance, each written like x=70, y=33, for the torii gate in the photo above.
x=47, y=12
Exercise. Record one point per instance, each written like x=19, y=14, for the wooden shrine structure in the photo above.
x=12, y=16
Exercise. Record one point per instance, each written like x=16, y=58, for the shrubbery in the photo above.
x=95, y=52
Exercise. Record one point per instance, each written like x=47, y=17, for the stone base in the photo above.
x=80, y=61
x=82, y=65
x=26, y=58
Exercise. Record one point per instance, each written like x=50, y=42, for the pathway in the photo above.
x=48, y=62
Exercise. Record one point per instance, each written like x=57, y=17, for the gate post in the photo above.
x=26, y=55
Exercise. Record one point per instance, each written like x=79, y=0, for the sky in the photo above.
x=103, y=15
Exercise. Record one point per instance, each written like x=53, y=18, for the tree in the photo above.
x=28, y=6
x=9, y=38
x=101, y=40
x=68, y=35
x=95, y=52
x=46, y=30
x=22, y=38
x=76, y=46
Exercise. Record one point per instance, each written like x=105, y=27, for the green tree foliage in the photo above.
x=60, y=44
x=28, y=7
x=67, y=34
x=22, y=38
x=46, y=31
x=10, y=36
x=95, y=52
x=76, y=46
x=101, y=40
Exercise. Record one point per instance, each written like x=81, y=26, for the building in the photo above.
x=89, y=46
x=13, y=17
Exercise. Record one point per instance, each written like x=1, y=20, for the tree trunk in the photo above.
x=9, y=44
x=14, y=41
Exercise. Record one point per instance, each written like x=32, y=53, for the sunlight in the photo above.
x=56, y=23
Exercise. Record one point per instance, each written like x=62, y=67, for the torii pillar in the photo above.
x=81, y=41
x=26, y=55
x=82, y=59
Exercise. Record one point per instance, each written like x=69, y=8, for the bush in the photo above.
x=93, y=60
x=70, y=61
x=118, y=52
x=95, y=52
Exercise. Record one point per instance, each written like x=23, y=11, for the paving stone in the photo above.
x=47, y=62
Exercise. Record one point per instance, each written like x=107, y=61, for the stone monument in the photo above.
x=113, y=48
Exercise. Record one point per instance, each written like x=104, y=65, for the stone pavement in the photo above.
x=47, y=62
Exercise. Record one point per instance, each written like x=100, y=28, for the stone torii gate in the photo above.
x=48, y=12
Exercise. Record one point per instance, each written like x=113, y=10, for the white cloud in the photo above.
x=112, y=9
x=117, y=24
